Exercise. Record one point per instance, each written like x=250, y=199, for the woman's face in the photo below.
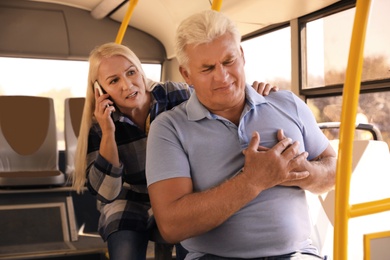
x=123, y=82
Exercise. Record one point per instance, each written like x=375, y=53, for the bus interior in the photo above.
x=298, y=45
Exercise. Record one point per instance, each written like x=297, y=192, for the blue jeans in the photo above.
x=126, y=245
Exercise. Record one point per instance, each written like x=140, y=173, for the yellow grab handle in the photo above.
x=125, y=21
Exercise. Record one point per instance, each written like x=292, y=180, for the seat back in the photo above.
x=73, y=113
x=28, y=142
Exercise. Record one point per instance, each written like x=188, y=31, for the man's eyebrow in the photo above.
x=207, y=65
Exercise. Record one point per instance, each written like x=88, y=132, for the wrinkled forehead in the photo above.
x=217, y=51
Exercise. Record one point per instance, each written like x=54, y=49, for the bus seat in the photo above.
x=28, y=142
x=369, y=181
x=73, y=113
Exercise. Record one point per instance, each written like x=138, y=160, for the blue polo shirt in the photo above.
x=191, y=142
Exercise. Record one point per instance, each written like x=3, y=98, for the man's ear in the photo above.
x=185, y=74
x=242, y=54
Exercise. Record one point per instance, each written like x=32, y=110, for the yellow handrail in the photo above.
x=347, y=128
x=370, y=207
x=216, y=5
x=126, y=21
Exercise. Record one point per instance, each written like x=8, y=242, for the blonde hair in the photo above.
x=203, y=27
x=101, y=52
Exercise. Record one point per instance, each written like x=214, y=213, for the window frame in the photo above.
x=335, y=89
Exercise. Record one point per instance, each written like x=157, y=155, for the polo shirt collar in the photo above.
x=253, y=98
x=195, y=110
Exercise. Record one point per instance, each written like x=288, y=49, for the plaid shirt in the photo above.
x=122, y=191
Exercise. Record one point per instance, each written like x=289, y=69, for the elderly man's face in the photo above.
x=216, y=70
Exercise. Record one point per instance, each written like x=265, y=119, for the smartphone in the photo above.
x=98, y=87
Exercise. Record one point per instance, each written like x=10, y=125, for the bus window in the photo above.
x=328, y=41
x=58, y=79
x=268, y=58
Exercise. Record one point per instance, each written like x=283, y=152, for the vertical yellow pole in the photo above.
x=216, y=5
x=347, y=129
x=126, y=21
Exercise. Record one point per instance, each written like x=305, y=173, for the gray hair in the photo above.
x=203, y=27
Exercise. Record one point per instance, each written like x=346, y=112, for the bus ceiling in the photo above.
x=69, y=29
